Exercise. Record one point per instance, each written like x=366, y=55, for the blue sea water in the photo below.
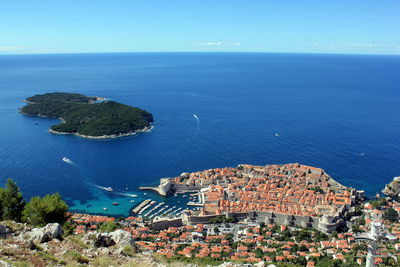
x=337, y=112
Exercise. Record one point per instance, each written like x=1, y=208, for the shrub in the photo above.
x=107, y=227
x=391, y=215
x=49, y=209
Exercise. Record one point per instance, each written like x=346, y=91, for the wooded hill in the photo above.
x=83, y=115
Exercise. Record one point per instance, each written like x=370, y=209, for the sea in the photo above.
x=340, y=113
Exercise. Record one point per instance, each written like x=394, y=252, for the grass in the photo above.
x=19, y=263
x=77, y=240
x=76, y=257
x=7, y=252
x=129, y=251
x=177, y=260
x=104, y=262
x=48, y=257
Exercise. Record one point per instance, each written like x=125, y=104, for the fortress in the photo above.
x=290, y=194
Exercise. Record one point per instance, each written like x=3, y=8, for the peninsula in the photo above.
x=290, y=194
x=88, y=117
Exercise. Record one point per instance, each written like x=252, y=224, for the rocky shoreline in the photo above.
x=143, y=130
x=393, y=188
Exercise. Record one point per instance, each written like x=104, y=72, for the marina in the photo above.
x=149, y=210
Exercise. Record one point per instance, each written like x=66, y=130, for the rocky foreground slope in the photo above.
x=21, y=245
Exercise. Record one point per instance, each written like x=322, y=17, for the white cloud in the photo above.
x=10, y=48
x=209, y=44
x=356, y=46
x=216, y=44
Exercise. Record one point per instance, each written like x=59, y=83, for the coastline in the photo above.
x=143, y=130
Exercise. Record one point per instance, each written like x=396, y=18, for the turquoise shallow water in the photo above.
x=337, y=112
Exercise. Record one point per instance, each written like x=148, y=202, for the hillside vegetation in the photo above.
x=83, y=116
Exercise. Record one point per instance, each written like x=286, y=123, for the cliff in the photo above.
x=393, y=188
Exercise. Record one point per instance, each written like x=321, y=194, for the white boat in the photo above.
x=105, y=209
x=132, y=195
x=67, y=160
x=277, y=134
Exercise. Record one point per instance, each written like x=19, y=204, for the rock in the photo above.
x=46, y=237
x=41, y=235
x=393, y=188
x=34, y=235
x=104, y=241
x=31, y=245
x=5, y=264
x=54, y=229
x=121, y=237
x=4, y=231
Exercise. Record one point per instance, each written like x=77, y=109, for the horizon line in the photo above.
x=211, y=52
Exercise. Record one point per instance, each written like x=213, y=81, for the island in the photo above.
x=87, y=116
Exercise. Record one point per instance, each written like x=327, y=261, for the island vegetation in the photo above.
x=90, y=117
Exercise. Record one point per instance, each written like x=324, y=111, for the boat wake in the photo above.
x=108, y=189
x=125, y=194
x=197, y=118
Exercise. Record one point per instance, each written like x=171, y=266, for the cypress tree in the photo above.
x=11, y=202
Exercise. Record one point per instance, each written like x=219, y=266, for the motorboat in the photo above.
x=67, y=160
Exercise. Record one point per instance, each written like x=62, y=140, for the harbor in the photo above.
x=150, y=209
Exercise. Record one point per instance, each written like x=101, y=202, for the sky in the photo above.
x=306, y=26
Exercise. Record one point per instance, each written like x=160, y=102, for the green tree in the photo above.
x=391, y=215
x=378, y=203
x=107, y=227
x=49, y=209
x=11, y=202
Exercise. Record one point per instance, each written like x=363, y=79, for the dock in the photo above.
x=139, y=207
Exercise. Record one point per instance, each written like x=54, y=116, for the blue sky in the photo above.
x=76, y=26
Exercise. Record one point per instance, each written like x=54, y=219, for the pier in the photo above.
x=139, y=207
